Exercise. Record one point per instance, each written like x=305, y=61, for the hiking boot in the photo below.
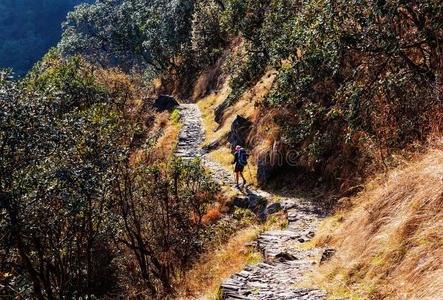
x=236, y=185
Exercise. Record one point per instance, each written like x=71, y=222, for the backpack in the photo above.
x=242, y=157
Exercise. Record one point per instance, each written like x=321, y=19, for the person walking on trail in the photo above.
x=240, y=161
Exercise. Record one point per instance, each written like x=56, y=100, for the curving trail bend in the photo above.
x=285, y=262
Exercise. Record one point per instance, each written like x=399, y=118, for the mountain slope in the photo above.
x=28, y=29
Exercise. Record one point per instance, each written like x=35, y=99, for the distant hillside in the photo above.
x=28, y=28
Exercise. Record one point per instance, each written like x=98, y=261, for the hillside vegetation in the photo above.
x=354, y=82
x=389, y=244
x=95, y=204
x=80, y=213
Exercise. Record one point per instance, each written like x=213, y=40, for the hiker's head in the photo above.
x=237, y=148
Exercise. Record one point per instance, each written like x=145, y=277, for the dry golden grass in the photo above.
x=215, y=266
x=207, y=106
x=129, y=89
x=156, y=86
x=223, y=156
x=168, y=141
x=210, y=80
x=391, y=243
x=211, y=216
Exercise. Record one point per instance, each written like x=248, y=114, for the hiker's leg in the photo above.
x=241, y=173
x=236, y=177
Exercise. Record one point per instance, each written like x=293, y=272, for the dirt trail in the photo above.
x=285, y=263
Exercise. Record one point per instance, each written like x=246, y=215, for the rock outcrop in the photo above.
x=218, y=113
x=327, y=254
x=240, y=129
x=269, y=210
x=164, y=102
x=251, y=201
x=264, y=170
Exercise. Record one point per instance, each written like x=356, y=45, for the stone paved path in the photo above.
x=285, y=261
x=192, y=133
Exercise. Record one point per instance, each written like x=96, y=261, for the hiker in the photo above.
x=240, y=161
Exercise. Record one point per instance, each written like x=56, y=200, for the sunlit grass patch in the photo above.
x=223, y=156
x=215, y=266
x=167, y=143
x=389, y=245
x=175, y=116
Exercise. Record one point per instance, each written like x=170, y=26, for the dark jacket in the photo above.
x=237, y=158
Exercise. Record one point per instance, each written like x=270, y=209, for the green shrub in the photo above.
x=175, y=116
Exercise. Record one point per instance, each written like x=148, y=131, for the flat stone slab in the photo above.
x=270, y=281
x=286, y=261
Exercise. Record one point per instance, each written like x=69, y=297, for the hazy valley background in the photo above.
x=28, y=28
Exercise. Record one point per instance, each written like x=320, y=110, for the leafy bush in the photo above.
x=54, y=178
x=156, y=205
x=207, y=35
x=247, y=18
x=175, y=116
x=173, y=39
x=129, y=33
x=246, y=74
x=73, y=207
